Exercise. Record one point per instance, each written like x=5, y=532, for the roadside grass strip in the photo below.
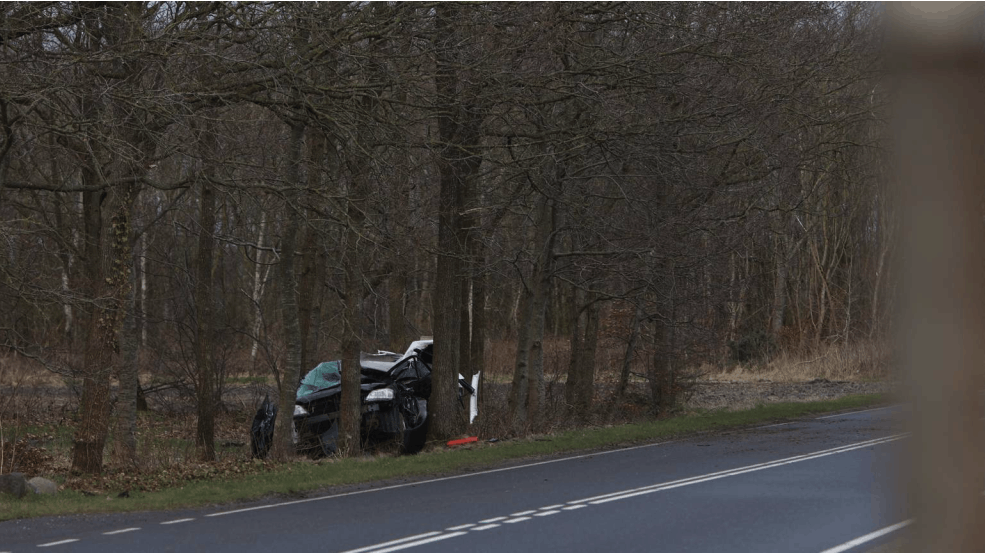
x=490, y=523
x=305, y=476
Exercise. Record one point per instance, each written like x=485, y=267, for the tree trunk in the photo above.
x=125, y=425
x=627, y=359
x=258, y=286
x=581, y=371
x=283, y=446
x=205, y=379
x=110, y=292
x=458, y=131
x=528, y=392
x=396, y=301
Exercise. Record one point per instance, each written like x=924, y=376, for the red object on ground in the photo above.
x=463, y=441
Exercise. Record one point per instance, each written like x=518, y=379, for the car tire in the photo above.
x=415, y=438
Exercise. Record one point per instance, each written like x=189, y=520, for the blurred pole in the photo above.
x=936, y=52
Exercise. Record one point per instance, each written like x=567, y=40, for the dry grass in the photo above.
x=858, y=362
x=37, y=408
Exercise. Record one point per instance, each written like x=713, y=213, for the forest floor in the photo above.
x=732, y=395
x=37, y=412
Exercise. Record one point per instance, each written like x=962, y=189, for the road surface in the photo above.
x=811, y=486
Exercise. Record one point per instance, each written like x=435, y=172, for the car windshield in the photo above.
x=323, y=376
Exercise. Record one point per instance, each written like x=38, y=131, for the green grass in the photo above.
x=304, y=476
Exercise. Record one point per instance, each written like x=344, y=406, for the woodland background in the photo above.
x=190, y=191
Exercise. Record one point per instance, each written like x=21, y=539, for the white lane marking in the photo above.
x=480, y=473
x=549, y=507
x=123, y=531
x=625, y=494
x=62, y=542
x=855, y=412
x=178, y=521
x=735, y=472
x=485, y=527
x=773, y=425
x=738, y=470
x=461, y=527
x=393, y=542
x=868, y=537
x=442, y=479
x=418, y=542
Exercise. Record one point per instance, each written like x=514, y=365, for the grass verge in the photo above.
x=294, y=479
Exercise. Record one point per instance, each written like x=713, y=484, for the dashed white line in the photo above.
x=479, y=473
x=178, y=521
x=461, y=527
x=547, y=513
x=515, y=520
x=61, y=542
x=549, y=507
x=485, y=527
x=524, y=513
x=868, y=537
x=494, y=519
x=573, y=507
x=123, y=531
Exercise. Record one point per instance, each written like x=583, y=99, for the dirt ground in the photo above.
x=711, y=394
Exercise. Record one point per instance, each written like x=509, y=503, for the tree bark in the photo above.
x=283, y=446
x=627, y=359
x=205, y=374
x=528, y=392
x=458, y=132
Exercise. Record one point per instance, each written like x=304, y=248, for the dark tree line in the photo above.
x=194, y=188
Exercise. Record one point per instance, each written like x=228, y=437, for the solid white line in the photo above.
x=480, y=473
x=485, y=527
x=868, y=537
x=766, y=464
x=62, y=542
x=855, y=412
x=443, y=479
x=515, y=520
x=461, y=527
x=178, y=521
x=114, y=532
x=753, y=468
x=420, y=542
x=393, y=542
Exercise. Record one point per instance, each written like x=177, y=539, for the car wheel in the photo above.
x=416, y=437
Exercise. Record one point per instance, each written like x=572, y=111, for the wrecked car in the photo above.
x=395, y=390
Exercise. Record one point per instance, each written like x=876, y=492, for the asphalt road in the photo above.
x=810, y=486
